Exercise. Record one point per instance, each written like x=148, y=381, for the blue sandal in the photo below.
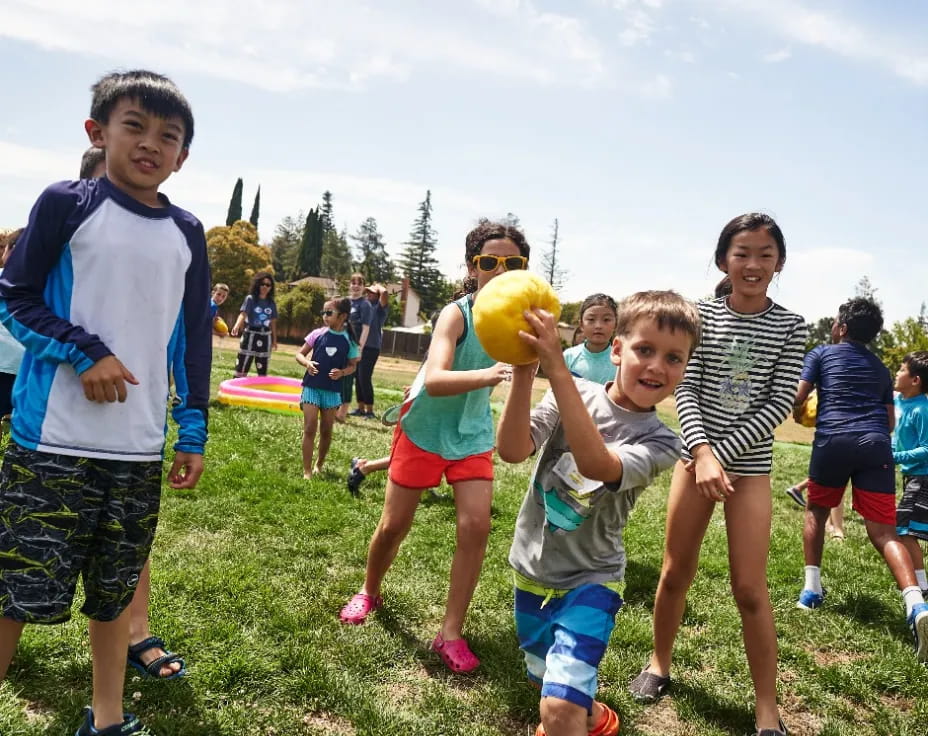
x=153, y=668
x=130, y=726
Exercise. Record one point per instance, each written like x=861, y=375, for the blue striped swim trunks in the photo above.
x=320, y=397
x=564, y=634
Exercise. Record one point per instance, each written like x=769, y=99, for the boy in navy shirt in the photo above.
x=108, y=291
x=855, y=417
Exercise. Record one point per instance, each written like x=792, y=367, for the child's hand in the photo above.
x=312, y=367
x=186, y=470
x=497, y=373
x=546, y=340
x=106, y=380
x=336, y=373
x=711, y=479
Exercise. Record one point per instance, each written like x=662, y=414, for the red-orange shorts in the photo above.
x=413, y=467
x=872, y=506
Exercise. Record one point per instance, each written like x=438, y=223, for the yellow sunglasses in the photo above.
x=491, y=263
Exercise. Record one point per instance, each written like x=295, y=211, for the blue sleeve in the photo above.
x=246, y=306
x=40, y=250
x=811, y=365
x=353, y=350
x=192, y=353
x=367, y=313
x=919, y=454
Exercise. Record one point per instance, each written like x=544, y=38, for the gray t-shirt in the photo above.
x=566, y=537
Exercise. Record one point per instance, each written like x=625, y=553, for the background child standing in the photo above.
x=739, y=386
x=600, y=448
x=257, y=324
x=910, y=452
x=591, y=359
x=447, y=429
x=328, y=354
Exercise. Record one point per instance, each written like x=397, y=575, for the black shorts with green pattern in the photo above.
x=62, y=516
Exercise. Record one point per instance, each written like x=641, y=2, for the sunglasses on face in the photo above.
x=491, y=263
x=268, y=284
x=328, y=312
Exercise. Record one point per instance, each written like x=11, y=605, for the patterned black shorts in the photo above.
x=912, y=511
x=62, y=516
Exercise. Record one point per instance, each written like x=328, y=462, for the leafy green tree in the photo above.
x=256, y=208
x=326, y=214
x=288, y=236
x=903, y=337
x=373, y=260
x=235, y=204
x=336, y=256
x=235, y=256
x=309, y=260
x=819, y=332
x=298, y=309
x=551, y=268
x=418, y=262
x=570, y=312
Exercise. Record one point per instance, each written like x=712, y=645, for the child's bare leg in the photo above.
x=563, y=718
x=915, y=551
x=688, y=514
x=813, y=534
x=109, y=641
x=747, y=520
x=325, y=436
x=399, y=509
x=138, y=622
x=310, y=421
x=836, y=521
x=372, y=466
x=888, y=544
x=10, y=631
x=472, y=499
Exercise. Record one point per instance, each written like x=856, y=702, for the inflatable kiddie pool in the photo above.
x=271, y=393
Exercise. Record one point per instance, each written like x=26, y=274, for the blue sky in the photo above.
x=642, y=125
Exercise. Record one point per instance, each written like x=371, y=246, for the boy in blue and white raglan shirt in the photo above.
x=108, y=290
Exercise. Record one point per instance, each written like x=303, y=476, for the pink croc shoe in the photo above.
x=456, y=654
x=359, y=608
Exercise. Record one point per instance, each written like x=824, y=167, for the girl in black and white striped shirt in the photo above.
x=739, y=386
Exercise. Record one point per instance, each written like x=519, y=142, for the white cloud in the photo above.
x=639, y=25
x=837, y=34
x=775, y=57
x=284, y=46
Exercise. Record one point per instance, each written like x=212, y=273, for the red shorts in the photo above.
x=873, y=506
x=413, y=467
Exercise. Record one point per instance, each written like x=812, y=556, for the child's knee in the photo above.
x=676, y=578
x=750, y=596
x=473, y=528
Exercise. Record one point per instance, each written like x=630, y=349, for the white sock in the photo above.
x=922, y=580
x=813, y=579
x=912, y=597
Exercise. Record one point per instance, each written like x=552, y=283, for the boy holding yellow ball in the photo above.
x=601, y=446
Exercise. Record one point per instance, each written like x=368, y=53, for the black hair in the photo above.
x=862, y=317
x=343, y=306
x=91, y=159
x=750, y=221
x=723, y=287
x=599, y=300
x=256, y=285
x=489, y=230
x=917, y=364
x=157, y=95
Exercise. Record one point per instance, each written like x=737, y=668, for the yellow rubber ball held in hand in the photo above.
x=498, y=314
x=220, y=326
x=809, y=410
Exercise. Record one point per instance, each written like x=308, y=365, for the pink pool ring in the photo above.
x=271, y=393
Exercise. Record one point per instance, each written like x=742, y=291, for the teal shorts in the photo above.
x=320, y=397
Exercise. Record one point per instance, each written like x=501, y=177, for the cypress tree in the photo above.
x=255, y=208
x=235, y=204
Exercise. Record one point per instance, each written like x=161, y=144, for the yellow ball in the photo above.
x=220, y=326
x=498, y=312
x=809, y=410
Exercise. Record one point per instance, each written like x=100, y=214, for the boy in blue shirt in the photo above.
x=80, y=483
x=910, y=451
x=854, y=419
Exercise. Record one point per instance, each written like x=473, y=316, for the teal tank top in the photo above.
x=459, y=426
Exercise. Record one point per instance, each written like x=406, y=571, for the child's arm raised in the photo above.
x=593, y=458
x=440, y=380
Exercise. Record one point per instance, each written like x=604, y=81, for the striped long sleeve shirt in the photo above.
x=740, y=384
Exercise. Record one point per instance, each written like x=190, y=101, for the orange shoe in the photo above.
x=608, y=725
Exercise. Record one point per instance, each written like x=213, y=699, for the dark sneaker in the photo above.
x=369, y=415
x=778, y=731
x=648, y=687
x=355, y=478
x=794, y=493
x=356, y=413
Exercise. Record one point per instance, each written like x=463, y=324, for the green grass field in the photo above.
x=251, y=568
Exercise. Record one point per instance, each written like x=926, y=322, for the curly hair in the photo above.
x=256, y=284
x=862, y=317
x=477, y=238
